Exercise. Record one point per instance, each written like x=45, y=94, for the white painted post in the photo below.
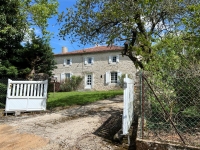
x=128, y=105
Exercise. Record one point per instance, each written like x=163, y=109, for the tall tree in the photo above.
x=12, y=28
x=37, y=12
x=36, y=57
x=136, y=23
x=16, y=19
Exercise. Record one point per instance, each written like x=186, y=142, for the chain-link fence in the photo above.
x=170, y=108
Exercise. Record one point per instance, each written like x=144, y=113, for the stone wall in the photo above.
x=155, y=145
x=98, y=69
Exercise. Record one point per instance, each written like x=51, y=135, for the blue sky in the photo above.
x=57, y=44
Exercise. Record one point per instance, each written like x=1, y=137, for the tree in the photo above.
x=12, y=27
x=37, y=12
x=16, y=19
x=36, y=57
x=136, y=23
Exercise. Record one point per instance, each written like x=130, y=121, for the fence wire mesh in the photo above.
x=170, y=108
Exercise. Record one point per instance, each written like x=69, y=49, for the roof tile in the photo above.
x=93, y=50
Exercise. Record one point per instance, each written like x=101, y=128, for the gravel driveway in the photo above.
x=88, y=127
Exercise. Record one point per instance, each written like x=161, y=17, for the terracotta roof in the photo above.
x=95, y=49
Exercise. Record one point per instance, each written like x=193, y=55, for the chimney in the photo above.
x=64, y=50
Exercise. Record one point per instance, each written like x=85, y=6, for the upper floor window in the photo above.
x=89, y=60
x=67, y=62
x=113, y=59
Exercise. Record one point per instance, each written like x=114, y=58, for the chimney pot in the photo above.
x=64, y=50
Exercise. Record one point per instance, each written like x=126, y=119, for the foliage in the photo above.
x=64, y=99
x=16, y=19
x=121, y=80
x=3, y=90
x=37, y=56
x=9, y=71
x=71, y=84
x=137, y=24
x=187, y=92
x=12, y=30
x=38, y=12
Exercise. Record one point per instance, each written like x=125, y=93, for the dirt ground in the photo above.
x=89, y=127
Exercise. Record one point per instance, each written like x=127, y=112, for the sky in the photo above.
x=55, y=43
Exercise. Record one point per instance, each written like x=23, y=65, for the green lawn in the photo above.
x=63, y=99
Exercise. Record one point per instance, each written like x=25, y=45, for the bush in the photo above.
x=121, y=80
x=71, y=84
x=3, y=90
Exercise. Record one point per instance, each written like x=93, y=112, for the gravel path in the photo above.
x=75, y=128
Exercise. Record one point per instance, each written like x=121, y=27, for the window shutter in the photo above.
x=85, y=61
x=62, y=77
x=119, y=74
x=65, y=61
x=110, y=59
x=70, y=61
x=117, y=57
x=107, y=77
x=92, y=60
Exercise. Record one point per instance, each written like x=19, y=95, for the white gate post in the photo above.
x=128, y=105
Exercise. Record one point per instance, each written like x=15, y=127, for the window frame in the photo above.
x=114, y=59
x=67, y=76
x=67, y=62
x=108, y=77
x=89, y=61
x=113, y=77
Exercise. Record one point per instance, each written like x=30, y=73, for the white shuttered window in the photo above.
x=112, y=77
x=113, y=59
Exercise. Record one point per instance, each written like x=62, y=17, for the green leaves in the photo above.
x=15, y=20
x=38, y=56
x=113, y=22
x=40, y=11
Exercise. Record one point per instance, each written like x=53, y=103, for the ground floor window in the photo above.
x=113, y=77
x=67, y=75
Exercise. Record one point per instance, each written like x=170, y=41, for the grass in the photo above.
x=64, y=99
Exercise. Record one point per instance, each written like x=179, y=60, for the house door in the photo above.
x=88, y=81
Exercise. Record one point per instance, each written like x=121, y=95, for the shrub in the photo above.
x=71, y=84
x=121, y=80
x=3, y=90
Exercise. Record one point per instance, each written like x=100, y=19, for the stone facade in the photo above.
x=100, y=69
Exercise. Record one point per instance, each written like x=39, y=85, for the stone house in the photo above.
x=100, y=67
